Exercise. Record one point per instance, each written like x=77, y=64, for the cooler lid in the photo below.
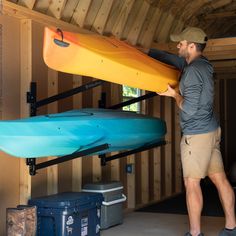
x=66, y=199
x=102, y=187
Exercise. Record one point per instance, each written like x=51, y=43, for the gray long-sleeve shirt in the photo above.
x=197, y=88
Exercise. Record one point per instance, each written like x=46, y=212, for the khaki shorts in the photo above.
x=200, y=154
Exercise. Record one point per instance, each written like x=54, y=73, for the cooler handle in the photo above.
x=123, y=199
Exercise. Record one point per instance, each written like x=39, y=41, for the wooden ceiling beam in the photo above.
x=56, y=8
x=81, y=12
x=122, y=18
x=138, y=23
x=147, y=35
x=220, y=15
x=231, y=64
x=219, y=3
x=27, y=3
x=102, y=16
x=69, y=10
x=42, y=6
x=216, y=49
x=14, y=10
x=223, y=75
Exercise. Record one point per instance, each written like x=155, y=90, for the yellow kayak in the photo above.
x=106, y=58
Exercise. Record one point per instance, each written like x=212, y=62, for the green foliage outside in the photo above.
x=129, y=93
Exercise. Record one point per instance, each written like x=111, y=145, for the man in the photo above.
x=200, y=143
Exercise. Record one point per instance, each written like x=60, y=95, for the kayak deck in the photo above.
x=106, y=58
x=68, y=132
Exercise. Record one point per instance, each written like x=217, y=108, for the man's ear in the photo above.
x=192, y=46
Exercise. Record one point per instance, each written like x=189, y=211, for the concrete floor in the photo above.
x=150, y=224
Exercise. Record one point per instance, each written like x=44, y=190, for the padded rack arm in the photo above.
x=31, y=96
x=31, y=99
x=105, y=159
x=33, y=166
x=133, y=100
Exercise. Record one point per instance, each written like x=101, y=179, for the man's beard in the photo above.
x=184, y=55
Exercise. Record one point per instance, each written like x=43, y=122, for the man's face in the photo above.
x=184, y=48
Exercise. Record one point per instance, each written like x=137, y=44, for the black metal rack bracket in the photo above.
x=34, y=104
x=133, y=100
x=33, y=166
x=105, y=159
x=31, y=96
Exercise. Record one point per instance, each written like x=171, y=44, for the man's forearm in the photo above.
x=170, y=92
x=179, y=100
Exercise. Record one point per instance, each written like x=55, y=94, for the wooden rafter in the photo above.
x=17, y=11
x=217, y=49
x=102, y=16
x=69, y=10
x=56, y=8
x=148, y=33
x=223, y=64
x=137, y=25
x=220, y=3
x=81, y=12
x=42, y=6
x=122, y=18
x=228, y=66
x=220, y=15
x=27, y=3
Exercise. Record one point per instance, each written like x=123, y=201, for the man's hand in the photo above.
x=170, y=92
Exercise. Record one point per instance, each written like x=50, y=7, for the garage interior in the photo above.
x=154, y=175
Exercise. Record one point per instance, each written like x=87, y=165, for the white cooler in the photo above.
x=111, y=210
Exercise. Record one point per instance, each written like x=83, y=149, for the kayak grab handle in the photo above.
x=61, y=43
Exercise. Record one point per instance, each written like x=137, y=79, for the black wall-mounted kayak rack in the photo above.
x=34, y=105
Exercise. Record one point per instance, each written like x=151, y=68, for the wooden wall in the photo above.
x=157, y=170
x=9, y=109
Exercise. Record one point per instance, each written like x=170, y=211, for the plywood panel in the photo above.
x=144, y=177
x=96, y=163
x=10, y=109
x=156, y=152
x=123, y=177
x=168, y=147
x=116, y=98
x=138, y=179
x=77, y=163
x=65, y=82
x=26, y=78
x=178, y=183
x=87, y=162
x=40, y=76
x=52, y=171
x=131, y=201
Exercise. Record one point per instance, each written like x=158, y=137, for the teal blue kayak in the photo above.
x=77, y=130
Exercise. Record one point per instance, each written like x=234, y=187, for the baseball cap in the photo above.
x=191, y=34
